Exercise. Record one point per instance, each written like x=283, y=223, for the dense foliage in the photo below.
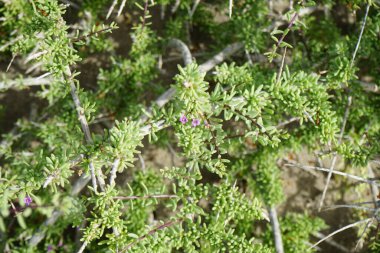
x=256, y=82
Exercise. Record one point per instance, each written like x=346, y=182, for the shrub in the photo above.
x=259, y=83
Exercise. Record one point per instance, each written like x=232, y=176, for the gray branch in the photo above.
x=370, y=87
x=83, y=122
x=167, y=95
x=344, y=122
x=276, y=229
x=205, y=67
x=332, y=242
x=24, y=82
x=340, y=230
x=360, y=35
x=185, y=51
x=346, y=113
x=115, y=166
x=37, y=237
x=374, y=188
x=307, y=168
x=222, y=56
x=79, y=109
x=111, y=9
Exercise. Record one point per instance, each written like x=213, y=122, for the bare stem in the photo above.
x=349, y=206
x=332, y=242
x=79, y=109
x=145, y=13
x=111, y=9
x=291, y=23
x=346, y=113
x=276, y=229
x=347, y=109
x=40, y=234
x=10, y=63
x=11, y=42
x=93, y=176
x=360, y=35
x=175, y=6
x=220, y=57
x=166, y=96
x=370, y=87
x=83, y=122
x=115, y=166
x=121, y=7
x=230, y=8
x=282, y=66
x=374, y=188
x=26, y=82
x=340, y=230
x=334, y=172
x=196, y=2
x=82, y=247
x=287, y=122
x=360, y=241
x=183, y=48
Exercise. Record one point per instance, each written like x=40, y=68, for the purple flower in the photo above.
x=49, y=248
x=183, y=119
x=196, y=122
x=28, y=200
